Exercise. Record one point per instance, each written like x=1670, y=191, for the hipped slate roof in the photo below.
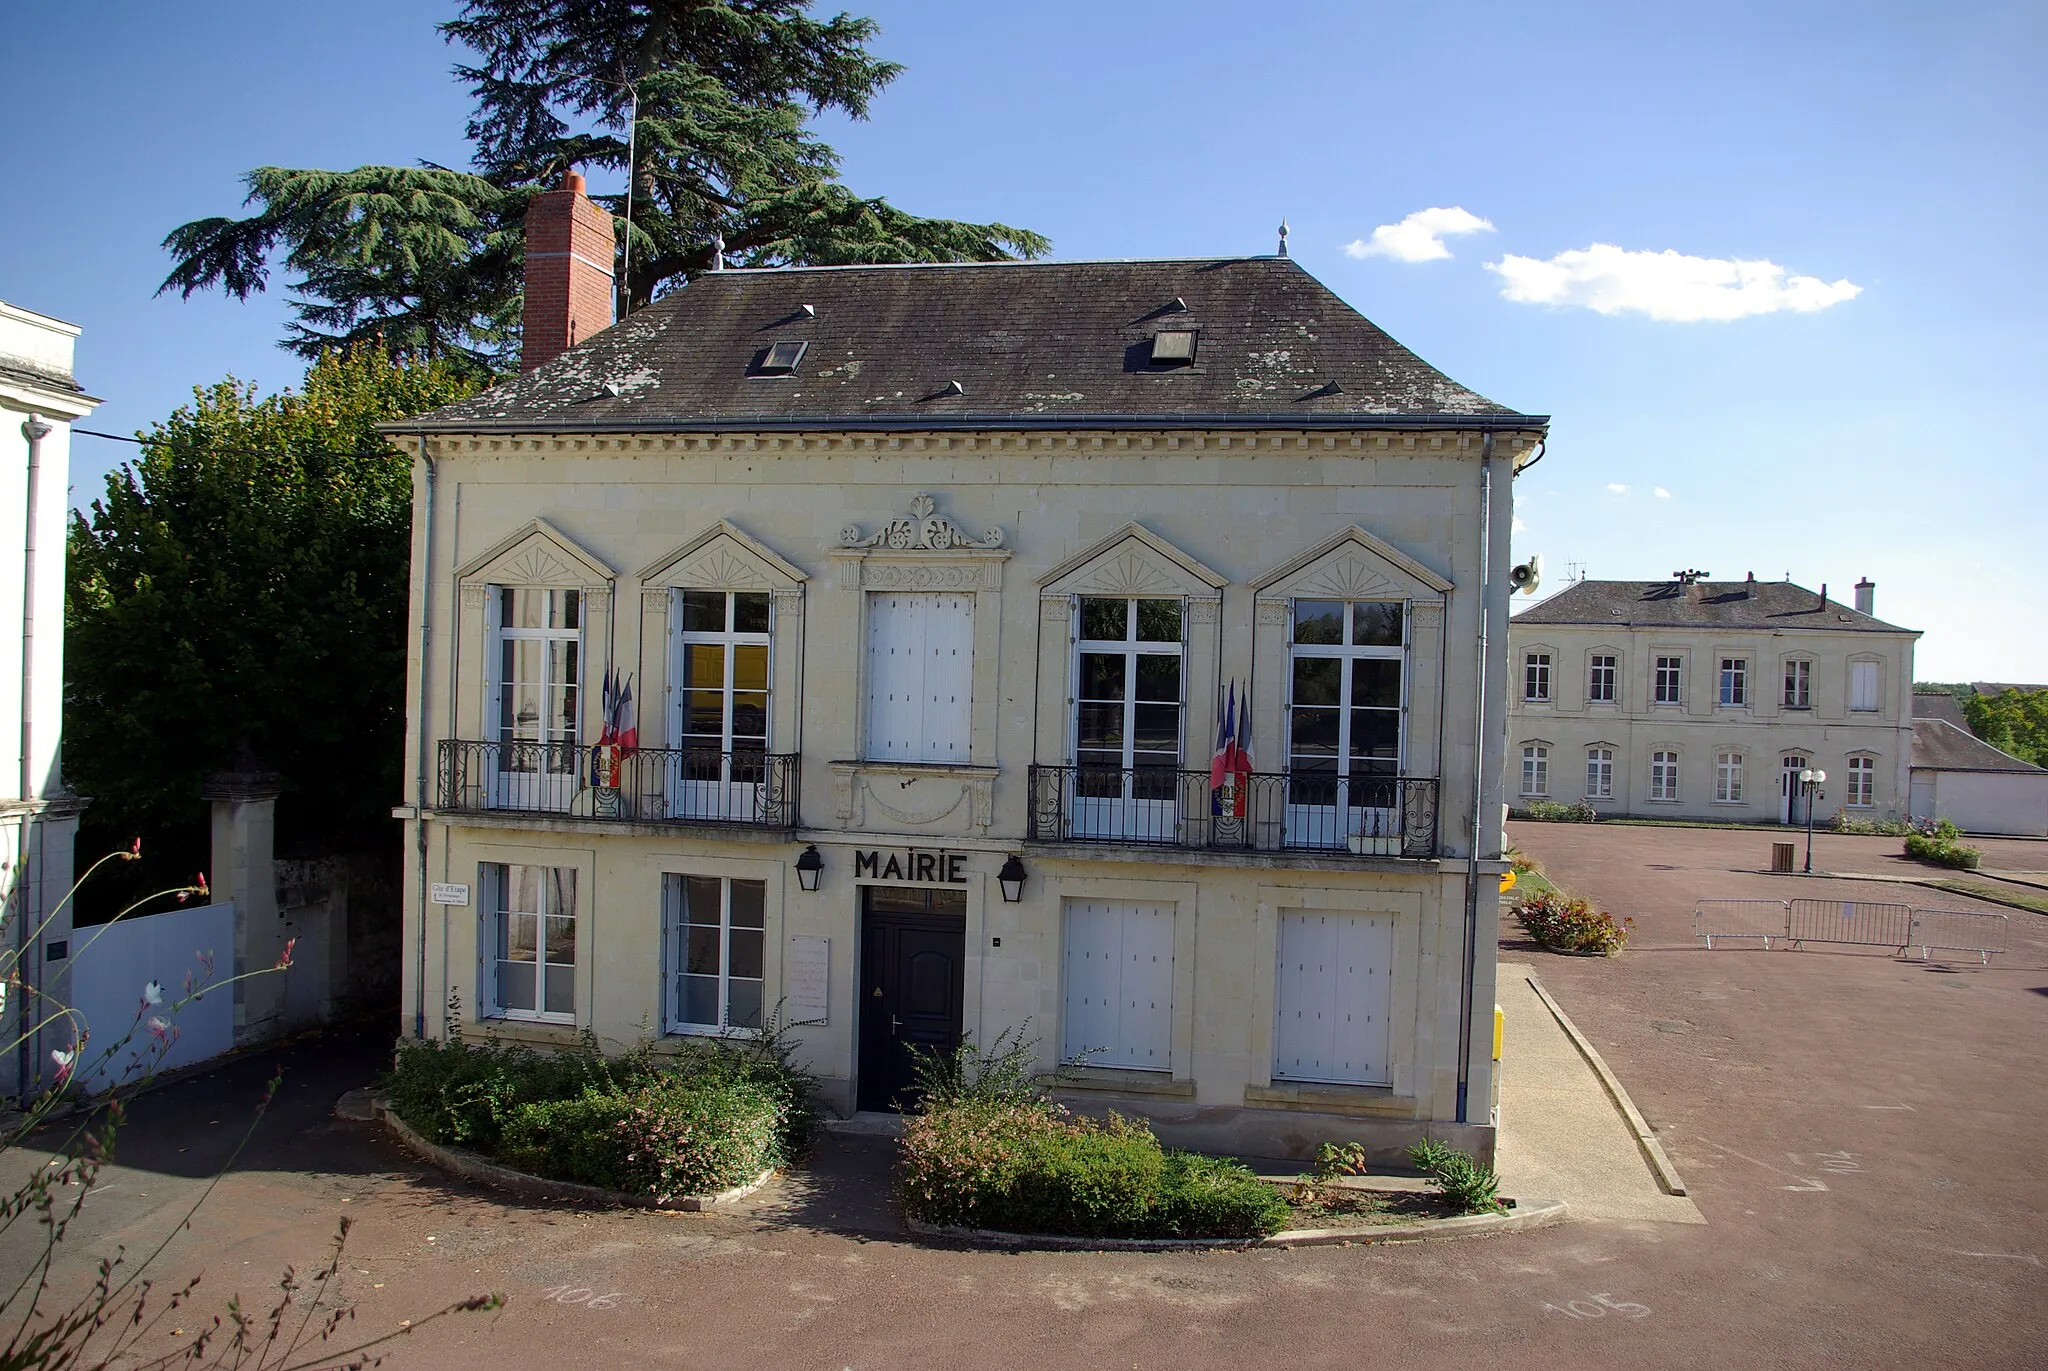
x=1940, y=746
x=1938, y=704
x=1055, y=344
x=1707, y=604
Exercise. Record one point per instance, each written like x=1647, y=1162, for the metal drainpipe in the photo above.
x=1479, y=674
x=419, y=1017
x=35, y=430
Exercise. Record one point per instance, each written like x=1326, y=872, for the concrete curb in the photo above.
x=1933, y=883
x=472, y=1167
x=1668, y=1179
x=1527, y=1214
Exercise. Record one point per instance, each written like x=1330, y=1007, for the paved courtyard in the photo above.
x=1861, y=1135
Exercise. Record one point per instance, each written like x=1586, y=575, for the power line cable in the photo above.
x=238, y=451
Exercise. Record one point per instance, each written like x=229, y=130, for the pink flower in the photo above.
x=65, y=1061
x=160, y=1029
x=134, y=851
x=284, y=959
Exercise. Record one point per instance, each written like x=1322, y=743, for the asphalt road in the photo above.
x=1862, y=1134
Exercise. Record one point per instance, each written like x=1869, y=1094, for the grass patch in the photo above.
x=2019, y=897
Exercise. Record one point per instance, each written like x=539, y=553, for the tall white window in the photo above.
x=1536, y=676
x=1127, y=701
x=536, y=667
x=1599, y=773
x=1535, y=769
x=1734, y=681
x=530, y=940
x=714, y=936
x=1669, y=685
x=1344, y=710
x=1663, y=775
x=1600, y=679
x=1728, y=777
x=1863, y=685
x=1118, y=985
x=1863, y=782
x=724, y=671
x=1798, y=684
x=920, y=677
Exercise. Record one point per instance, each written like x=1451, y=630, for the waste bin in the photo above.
x=1782, y=857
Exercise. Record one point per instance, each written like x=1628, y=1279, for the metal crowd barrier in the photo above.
x=1852, y=923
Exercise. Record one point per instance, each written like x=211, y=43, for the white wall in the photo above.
x=110, y=965
x=2014, y=802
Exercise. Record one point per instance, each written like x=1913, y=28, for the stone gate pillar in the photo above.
x=244, y=843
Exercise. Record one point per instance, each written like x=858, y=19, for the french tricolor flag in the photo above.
x=1232, y=763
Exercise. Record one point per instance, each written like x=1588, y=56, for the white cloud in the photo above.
x=1617, y=487
x=1662, y=493
x=1419, y=237
x=1664, y=285
x=1518, y=526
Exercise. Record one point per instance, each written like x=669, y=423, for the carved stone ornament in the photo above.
x=475, y=595
x=1204, y=611
x=1273, y=613
x=920, y=530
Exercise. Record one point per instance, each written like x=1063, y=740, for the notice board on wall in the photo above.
x=806, y=973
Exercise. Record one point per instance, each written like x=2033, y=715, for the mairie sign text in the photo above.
x=946, y=868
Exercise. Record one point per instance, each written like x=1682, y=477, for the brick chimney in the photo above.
x=569, y=290
x=1866, y=597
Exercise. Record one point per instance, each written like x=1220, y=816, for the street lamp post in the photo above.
x=1809, y=786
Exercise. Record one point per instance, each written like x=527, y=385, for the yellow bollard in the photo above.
x=1500, y=1030
x=1507, y=881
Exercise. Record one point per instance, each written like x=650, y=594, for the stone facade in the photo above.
x=1016, y=530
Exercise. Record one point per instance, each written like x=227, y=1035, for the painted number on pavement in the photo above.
x=588, y=1298
x=1598, y=1307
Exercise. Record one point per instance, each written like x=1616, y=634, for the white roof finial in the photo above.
x=1283, y=237
x=718, y=250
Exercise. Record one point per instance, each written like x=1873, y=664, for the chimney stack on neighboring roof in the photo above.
x=1823, y=596
x=569, y=290
x=1866, y=597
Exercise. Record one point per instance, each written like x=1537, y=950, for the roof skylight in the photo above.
x=1173, y=347
x=781, y=358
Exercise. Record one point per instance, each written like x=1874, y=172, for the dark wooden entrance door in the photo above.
x=913, y=963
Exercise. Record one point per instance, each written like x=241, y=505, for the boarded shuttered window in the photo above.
x=1119, y=985
x=920, y=677
x=1863, y=685
x=1335, y=974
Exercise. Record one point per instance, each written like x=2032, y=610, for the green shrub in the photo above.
x=1551, y=811
x=708, y=1114
x=1473, y=1188
x=1338, y=1159
x=1943, y=851
x=1570, y=924
x=1005, y=1072
x=1028, y=1166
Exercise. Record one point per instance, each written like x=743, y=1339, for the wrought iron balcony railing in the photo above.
x=649, y=785
x=1368, y=816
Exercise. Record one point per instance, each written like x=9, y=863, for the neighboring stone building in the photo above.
x=1957, y=776
x=934, y=587
x=1702, y=699
x=38, y=812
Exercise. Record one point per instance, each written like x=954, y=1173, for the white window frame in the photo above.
x=1536, y=671
x=495, y=882
x=1728, y=776
x=1132, y=979
x=1875, y=672
x=553, y=782
x=1798, y=683
x=1671, y=666
x=930, y=754
x=1130, y=647
x=1664, y=770
x=1535, y=771
x=1862, y=782
x=1355, y=811
x=1603, y=690
x=675, y=926
x=1734, y=691
x=727, y=638
x=1599, y=773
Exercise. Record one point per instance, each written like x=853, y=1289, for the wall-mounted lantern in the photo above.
x=1011, y=878
x=809, y=867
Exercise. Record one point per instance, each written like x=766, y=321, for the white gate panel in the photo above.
x=110, y=965
x=1333, y=992
x=1119, y=985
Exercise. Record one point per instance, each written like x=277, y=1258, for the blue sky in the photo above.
x=1885, y=160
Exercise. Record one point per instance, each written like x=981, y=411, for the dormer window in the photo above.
x=1173, y=348
x=780, y=359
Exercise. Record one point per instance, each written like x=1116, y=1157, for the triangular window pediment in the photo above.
x=1353, y=565
x=1136, y=562
x=723, y=557
x=537, y=555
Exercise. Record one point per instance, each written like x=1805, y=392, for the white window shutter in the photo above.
x=1118, y=985
x=1332, y=998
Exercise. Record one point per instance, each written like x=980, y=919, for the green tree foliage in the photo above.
x=427, y=260
x=2014, y=721
x=243, y=585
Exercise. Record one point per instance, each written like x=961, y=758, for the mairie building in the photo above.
x=1107, y=654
